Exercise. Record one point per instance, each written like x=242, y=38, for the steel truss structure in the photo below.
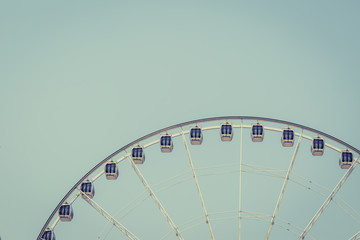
x=53, y=219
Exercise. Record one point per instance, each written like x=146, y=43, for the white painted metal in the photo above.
x=325, y=143
x=74, y=198
x=187, y=132
x=355, y=237
x=117, y=153
x=194, y=222
x=218, y=127
x=55, y=222
x=198, y=189
x=151, y=143
x=97, y=176
x=123, y=157
x=110, y=218
x=297, y=134
x=328, y=200
x=240, y=180
x=207, y=128
x=156, y=200
x=241, y=126
x=283, y=189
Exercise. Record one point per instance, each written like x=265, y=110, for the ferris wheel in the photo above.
x=231, y=177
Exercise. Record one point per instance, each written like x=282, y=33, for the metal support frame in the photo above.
x=110, y=218
x=74, y=198
x=276, y=210
x=240, y=180
x=122, y=149
x=355, y=237
x=156, y=200
x=328, y=200
x=53, y=225
x=198, y=188
x=97, y=176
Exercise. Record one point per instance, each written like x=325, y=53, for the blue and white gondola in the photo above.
x=138, y=155
x=87, y=188
x=226, y=132
x=66, y=212
x=317, y=146
x=111, y=171
x=166, y=143
x=196, y=136
x=257, y=132
x=346, y=159
x=48, y=234
x=287, y=137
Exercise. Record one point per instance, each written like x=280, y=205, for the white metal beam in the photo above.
x=198, y=189
x=97, y=176
x=54, y=223
x=117, y=152
x=276, y=210
x=328, y=200
x=74, y=198
x=110, y=218
x=355, y=237
x=156, y=200
x=240, y=181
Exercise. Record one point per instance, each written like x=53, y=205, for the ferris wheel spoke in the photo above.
x=110, y=218
x=328, y=200
x=276, y=210
x=239, y=215
x=53, y=225
x=156, y=200
x=355, y=237
x=198, y=187
x=240, y=180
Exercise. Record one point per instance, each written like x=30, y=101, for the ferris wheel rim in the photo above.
x=179, y=125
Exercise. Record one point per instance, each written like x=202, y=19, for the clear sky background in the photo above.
x=80, y=79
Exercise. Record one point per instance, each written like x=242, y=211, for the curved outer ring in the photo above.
x=181, y=125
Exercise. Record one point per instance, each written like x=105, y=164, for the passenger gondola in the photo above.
x=138, y=155
x=48, y=234
x=317, y=146
x=87, y=188
x=226, y=132
x=111, y=171
x=346, y=159
x=196, y=136
x=66, y=212
x=257, y=132
x=166, y=143
x=287, y=137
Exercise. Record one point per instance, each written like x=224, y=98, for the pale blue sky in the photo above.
x=79, y=80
